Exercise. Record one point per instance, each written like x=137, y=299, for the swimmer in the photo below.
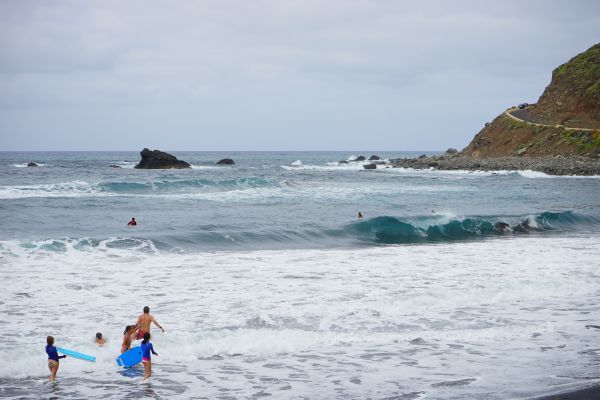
x=143, y=323
x=360, y=215
x=132, y=222
x=127, y=338
x=99, y=340
x=53, y=358
x=147, y=348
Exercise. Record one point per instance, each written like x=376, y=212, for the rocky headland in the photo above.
x=559, y=135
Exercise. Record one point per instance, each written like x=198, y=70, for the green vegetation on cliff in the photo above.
x=564, y=121
x=583, y=70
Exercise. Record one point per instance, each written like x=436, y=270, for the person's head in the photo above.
x=133, y=219
x=146, y=338
x=127, y=329
x=50, y=340
x=98, y=335
x=146, y=310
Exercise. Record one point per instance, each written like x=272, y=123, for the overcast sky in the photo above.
x=275, y=75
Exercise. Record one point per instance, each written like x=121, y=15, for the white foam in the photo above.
x=24, y=165
x=61, y=189
x=125, y=164
x=194, y=166
x=324, y=314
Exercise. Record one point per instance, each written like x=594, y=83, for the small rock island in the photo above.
x=156, y=159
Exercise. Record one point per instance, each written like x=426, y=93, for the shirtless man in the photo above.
x=143, y=323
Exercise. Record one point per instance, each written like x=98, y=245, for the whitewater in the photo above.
x=462, y=285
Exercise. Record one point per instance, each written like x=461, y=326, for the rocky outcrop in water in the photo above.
x=32, y=164
x=370, y=166
x=360, y=158
x=226, y=161
x=374, y=158
x=157, y=159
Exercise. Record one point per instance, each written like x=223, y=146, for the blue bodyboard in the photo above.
x=130, y=358
x=76, y=354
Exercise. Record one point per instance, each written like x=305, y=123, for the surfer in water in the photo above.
x=147, y=348
x=133, y=222
x=143, y=323
x=53, y=358
x=127, y=337
x=360, y=215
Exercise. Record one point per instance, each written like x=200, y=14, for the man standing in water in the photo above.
x=143, y=323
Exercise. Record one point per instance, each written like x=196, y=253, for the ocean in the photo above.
x=453, y=285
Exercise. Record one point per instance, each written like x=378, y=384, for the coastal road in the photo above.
x=522, y=115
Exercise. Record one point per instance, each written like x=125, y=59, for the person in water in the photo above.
x=99, y=340
x=127, y=338
x=53, y=358
x=143, y=323
x=132, y=222
x=360, y=215
x=147, y=348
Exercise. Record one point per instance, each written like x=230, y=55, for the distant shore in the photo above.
x=552, y=165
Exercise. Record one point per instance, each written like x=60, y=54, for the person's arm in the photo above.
x=63, y=356
x=152, y=350
x=157, y=324
x=137, y=323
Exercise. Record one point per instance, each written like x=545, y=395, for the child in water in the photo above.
x=127, y=337
x=53, y=358
x=146, y=357
x=99, y=340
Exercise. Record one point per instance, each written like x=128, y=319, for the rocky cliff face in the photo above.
x=565, y=120
x=573, y=97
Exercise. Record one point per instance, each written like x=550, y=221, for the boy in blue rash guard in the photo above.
x=53, y=358
x=146, y=357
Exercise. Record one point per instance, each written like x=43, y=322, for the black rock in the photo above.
x=226, y=161
x=451, y=150
x=374, y=158
x=360, y=158
x=422, y=156
x=114, y=166
x=32, y=164
x=343, y=162
x=160, y=160
x=370, y=166
x=501, y=226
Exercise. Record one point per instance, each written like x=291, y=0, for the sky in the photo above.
x=275, y=74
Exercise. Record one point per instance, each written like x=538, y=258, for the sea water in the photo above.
x=454, y=285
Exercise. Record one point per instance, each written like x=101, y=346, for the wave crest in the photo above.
x=392, y=230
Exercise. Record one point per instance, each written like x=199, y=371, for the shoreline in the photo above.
x=551, y=165
x=588, y=393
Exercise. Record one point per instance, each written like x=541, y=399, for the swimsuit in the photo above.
x=53, y=356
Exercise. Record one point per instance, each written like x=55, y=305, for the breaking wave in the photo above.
x=82, y=189
x=392, y=230
x=376, y=231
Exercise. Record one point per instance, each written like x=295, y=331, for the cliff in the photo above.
x=565, y=120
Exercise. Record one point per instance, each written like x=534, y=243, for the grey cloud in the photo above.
x=264, y=73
